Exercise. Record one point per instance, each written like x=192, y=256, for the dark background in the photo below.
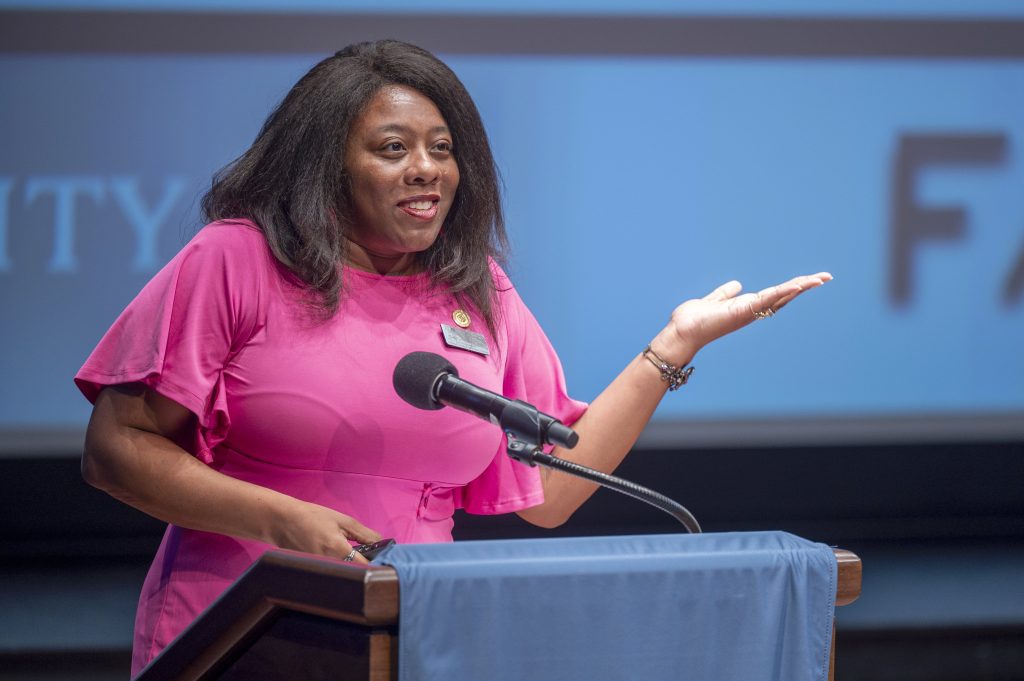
x=940, y=530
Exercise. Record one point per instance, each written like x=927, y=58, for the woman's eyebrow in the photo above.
x=402, y=128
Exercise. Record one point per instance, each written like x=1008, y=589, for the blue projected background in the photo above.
x=632, y=183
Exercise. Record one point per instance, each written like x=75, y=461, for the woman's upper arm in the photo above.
x=120, y=413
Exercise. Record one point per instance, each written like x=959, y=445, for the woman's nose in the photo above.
x=423, y=169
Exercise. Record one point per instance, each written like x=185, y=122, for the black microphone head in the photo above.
x=417, y=374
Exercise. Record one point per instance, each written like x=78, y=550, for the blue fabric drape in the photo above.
x=706, y=607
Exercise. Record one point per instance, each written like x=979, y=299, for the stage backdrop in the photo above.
x=650, y=151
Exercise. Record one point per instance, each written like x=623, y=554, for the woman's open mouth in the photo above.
x=422, y=208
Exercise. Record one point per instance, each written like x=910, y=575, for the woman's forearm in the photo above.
x=152, y=473
x=608, y=430
x=132, y=453
x=614, y=421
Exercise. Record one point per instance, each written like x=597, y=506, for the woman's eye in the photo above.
x=393, y=147
x=445, y=147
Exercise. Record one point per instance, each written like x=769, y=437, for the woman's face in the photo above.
x=403, y=178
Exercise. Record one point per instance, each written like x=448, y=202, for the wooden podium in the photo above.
x=294, y=616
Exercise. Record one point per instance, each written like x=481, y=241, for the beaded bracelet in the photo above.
x=676, y=377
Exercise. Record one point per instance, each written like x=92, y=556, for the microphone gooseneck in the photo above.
x=535, y=455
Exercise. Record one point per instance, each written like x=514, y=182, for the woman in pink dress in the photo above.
x=244, y=397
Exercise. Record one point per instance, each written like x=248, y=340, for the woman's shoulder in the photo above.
x=231, y=243
x=229, y=235
x=502, y=282
x=509, y=306
x=224, y=253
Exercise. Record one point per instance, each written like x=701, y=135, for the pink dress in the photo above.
x=306, y=406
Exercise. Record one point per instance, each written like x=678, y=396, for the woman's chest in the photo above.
x=320, y=396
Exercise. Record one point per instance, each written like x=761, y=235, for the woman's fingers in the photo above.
x=700, y=321
x=356, y=531
x=782, y=302
x=748, y=306
x=727, y=290
x=774, y=298
x=356, y=557
x=768, y=301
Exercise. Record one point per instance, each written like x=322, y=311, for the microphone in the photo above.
x=429, y=381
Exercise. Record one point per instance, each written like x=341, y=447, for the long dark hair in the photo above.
x=292, y=182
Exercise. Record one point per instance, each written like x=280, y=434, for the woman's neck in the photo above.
x=362, y=258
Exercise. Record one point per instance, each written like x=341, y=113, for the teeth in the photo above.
x=420, y=205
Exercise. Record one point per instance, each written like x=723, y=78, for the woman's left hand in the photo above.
x=700, y=321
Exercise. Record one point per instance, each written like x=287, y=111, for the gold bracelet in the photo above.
x=676, y=377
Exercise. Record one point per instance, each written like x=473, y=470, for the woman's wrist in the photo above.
x=278, y=514
x=672, y=348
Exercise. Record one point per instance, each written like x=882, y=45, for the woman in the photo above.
x=244, y=397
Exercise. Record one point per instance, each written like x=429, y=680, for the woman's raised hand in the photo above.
x=700, y=321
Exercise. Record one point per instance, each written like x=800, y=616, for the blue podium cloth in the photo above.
x=708, y=607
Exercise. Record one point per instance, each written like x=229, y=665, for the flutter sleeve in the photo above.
x=533, y=373
x=178, y=334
